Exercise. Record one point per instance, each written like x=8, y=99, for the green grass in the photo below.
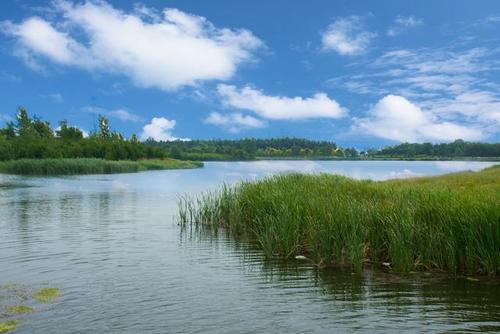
x=449, y=223
x=88, y=166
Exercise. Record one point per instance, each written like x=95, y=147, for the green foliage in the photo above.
x=458, y=148
x=251, y=148
x=33, y=138
x=449, y=223
x=67, y=132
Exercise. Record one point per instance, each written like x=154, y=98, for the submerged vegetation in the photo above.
x=46, y=295
x=89, y=166
x=449, y=223
x=20, y=309
x=13, y=312
x=8, y=326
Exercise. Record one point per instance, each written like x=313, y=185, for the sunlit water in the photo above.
x=110, y=243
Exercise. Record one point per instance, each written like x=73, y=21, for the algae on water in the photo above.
x=8, y=326
x=46, y=295
x=19, y=309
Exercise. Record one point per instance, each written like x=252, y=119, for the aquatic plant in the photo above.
x=46, y=295
x=20, y=309
x=89, y=166
x=8, y=326
x=449, y=223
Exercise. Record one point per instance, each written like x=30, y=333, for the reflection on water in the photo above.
x=111, y=245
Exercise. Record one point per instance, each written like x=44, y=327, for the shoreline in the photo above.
x=87, y=166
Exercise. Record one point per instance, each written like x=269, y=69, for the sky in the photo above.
x=360, y=73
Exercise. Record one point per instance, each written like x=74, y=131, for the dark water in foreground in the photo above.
x=123, y=266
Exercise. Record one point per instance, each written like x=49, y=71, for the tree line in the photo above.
x=252, y=148
x=33, y=138
x=458, y=148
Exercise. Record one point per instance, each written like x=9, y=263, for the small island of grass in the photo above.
x=449, y=223
x=80, y=166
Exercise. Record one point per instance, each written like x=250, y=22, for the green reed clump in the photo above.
x=449, y=223
x=88, y=166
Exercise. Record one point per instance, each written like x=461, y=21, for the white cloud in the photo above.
x=450, y=85
x=234, y=122
x=396, y=118
x=402, y=23
x=120, y=113
x=280, y=107
x=160, y=129
x=166, y=51
x=347, y=37
x=126, y=116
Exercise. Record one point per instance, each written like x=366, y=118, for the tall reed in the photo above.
x=449, y=223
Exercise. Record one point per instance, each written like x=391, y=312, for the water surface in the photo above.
x=110, y=243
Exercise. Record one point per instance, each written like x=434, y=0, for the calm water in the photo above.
x=123, y=266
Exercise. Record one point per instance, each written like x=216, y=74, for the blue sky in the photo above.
x=361, y=73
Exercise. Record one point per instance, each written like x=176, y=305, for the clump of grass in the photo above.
x=89, y=166
x=449, y=223
x=8, y=326
x=46, y=295
x=20, y=309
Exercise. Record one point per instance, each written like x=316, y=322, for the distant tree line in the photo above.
x=32, y=137
x=458, y=148
x=252, y=148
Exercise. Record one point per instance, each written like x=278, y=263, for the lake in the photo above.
x=111, y=245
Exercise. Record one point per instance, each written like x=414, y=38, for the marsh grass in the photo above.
x=89, y=166
x=449, y=223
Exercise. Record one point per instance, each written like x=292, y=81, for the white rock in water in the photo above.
x=300, y=257
x=386, y=264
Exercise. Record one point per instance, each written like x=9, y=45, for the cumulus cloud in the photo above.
x=160, y=129
x=167, y=50
x=448, y=84
x=395, y=118
x=280, y=107
x=234, y=122
x=347, y=37
x=402, y=23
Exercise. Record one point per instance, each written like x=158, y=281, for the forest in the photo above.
x=252, y=148
x=456, y=149
x=33, y=138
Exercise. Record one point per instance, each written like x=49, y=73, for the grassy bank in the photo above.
x=89, y=166
x=449, y=223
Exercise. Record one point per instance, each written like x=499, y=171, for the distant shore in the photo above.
x=81, y=166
